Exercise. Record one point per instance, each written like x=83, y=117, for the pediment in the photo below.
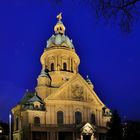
x=87, y=129
x=76, y=89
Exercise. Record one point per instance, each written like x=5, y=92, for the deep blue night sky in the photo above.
x=109, y=57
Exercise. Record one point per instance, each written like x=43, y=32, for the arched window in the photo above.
x=59, y=117
x=36, y=120
x=92, y=118
x=52, y=66
x=78, y=117
x=17, y=123
x=64, y=66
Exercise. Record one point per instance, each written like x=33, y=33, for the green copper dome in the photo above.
x=61, y=40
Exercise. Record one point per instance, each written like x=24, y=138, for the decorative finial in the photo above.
x=59, y=17
x=59, y=28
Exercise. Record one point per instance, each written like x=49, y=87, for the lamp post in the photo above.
x=10, y=126
x=0, y=132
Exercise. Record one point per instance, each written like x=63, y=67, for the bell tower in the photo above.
x=59, y=61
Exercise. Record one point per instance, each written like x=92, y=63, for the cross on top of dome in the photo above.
x=59, y=17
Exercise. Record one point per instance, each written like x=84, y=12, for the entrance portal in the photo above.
x=65, y=136
x=87, y=132
x=86, y=137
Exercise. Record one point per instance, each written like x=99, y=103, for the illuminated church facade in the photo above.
x=64, y=105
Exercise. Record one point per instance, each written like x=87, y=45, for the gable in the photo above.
x=76, y=89
x=87, y=129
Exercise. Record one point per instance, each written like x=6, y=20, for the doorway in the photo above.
x=86, y=137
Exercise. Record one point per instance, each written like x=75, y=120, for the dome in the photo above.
x=59, y=39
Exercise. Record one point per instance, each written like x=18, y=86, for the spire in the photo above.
x=59, y=28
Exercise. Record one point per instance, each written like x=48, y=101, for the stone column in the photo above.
x=48, y=135
x=100, y=113
x=70, y=63
x=74, y=69
x=66, y=115
x=92, y=137
x=81, y=137
x=73, y=135
x=55, y=63
x=97, y=117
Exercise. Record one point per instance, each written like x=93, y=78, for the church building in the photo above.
x=64, y=105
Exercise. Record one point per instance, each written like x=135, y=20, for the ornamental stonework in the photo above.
x=77, y=92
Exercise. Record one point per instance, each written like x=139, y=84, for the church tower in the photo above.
x=59, y=61
x=64, y=105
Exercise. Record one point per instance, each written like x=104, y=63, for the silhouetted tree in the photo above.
x=131, y=130
x=122, y=12
x=115, y=127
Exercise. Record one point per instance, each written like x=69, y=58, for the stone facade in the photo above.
x=65, y=105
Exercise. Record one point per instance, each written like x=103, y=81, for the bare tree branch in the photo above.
x=123, y=12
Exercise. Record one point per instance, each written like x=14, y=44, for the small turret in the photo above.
x=43, y=83
x=44, y=78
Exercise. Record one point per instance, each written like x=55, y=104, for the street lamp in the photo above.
x=10, y=126
x=0, y=130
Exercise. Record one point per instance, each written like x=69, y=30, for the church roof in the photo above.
x=35, y=98
x=28, y=102
x=30, y=97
